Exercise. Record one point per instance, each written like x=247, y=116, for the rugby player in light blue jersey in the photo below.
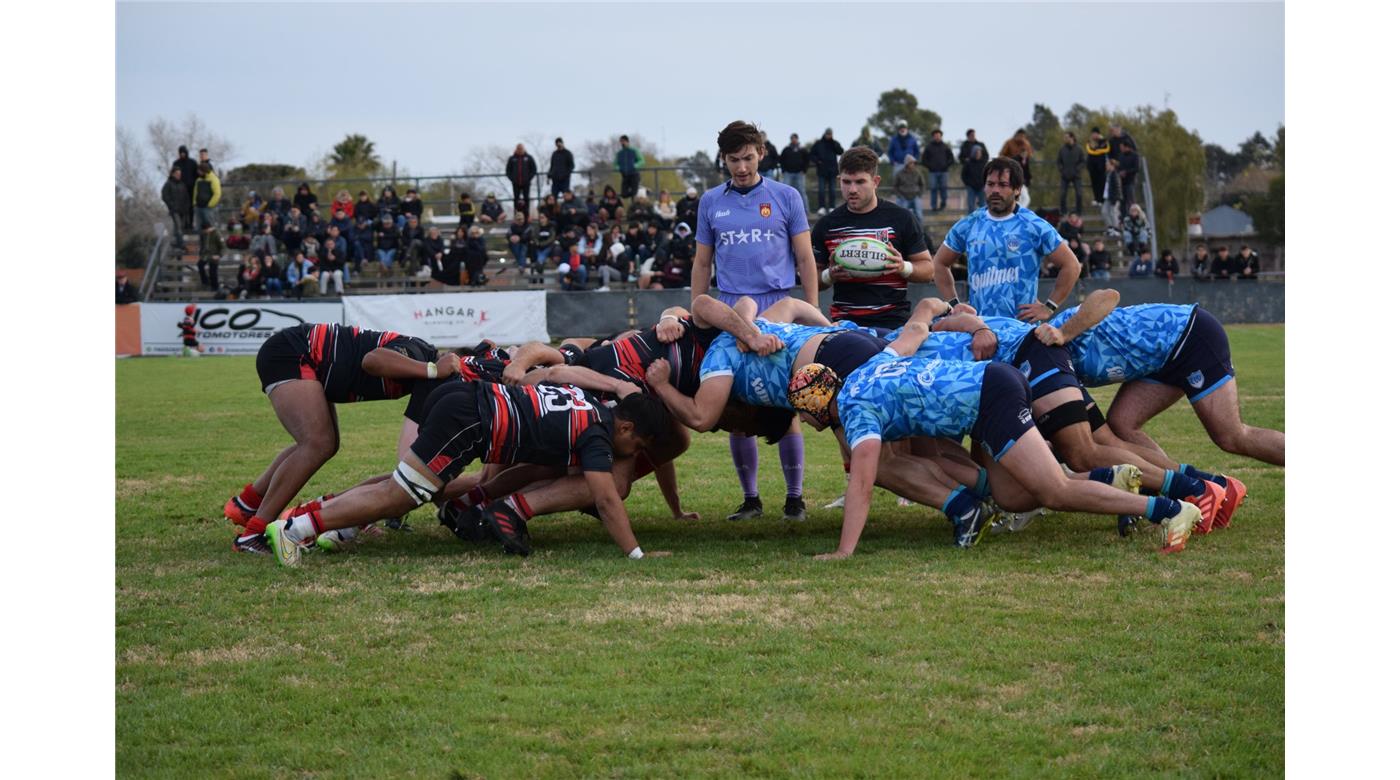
x=894, y=397
x=1005, y=245
x=1161, y=352
x=753, y=233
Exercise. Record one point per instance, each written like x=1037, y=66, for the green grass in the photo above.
x=1060, y=651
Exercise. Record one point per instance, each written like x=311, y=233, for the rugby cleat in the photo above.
x=1177, y=528
x=508, y=527
x=252, y=543
x=969, y=526
x=287, y=550
x=794, y=509
x=1128, y=525
x=237, y=512
x=465, y=522
x=1127, y=477
x=1235, y=492
x=837, y=503
x=337, y=540
x=750, y=509
x=1209, y=503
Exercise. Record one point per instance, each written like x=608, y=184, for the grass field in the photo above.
x=1059, y=651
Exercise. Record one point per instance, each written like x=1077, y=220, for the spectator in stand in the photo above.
x=315, y=226
x=937, y=158
x=271, y=274
x=903, y=145
x=664, y=212
x=1245, y=265
x=466, y=210
x=277, y=204
x=1072, y=226
x=448, y=267
x=826, y=154
x=1081, y=252
x=572, y=214
x=769, y=165
x=1167, y=267
x=236, y=239
x=251, y=211
x=386, y=243
x=909, y=188
x=125, y=292
x=411, y=205
x=868, y=141
x=343, y=202
x=671, y=269
x=1100, y=261
x=411, y=246
x=250, y=284
x=1136, y=233
x=189, y=169
x=1128, y=165
x=1018, y=147
x=492, y=213
x=293, y=230
x=616, y=267
x=1112, y=199
x=520, y=171
x=332, y=268
x=364, y=208
x=1220, y=264
x=573, y=273
x=204, y=157
x=640, y=212
x=628, y=163
x=311, y=247
x=175, y=194
x=1117, y=136
x=433, y=249
x=970, y=143
x=794, y=161
x=340, y=220
x=590, y=245
x=1070, y=161
x=264, y=242
x=974, y=176
x=1142, y=267
x=561, y=168
x=389, y=204
x=610, y=208
x=305, y=199
x=1200, y=263
x=301, y=274
x=590, y=203
x=688, y=210
x=639, y=245
x=550, y=208
x=476, y=257
x=362, y=242
x=206, y=197
x=517, y=238
x=682, y=247
x=542, y=239
x=1096, y=155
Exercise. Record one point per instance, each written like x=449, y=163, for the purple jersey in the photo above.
x=752, y=235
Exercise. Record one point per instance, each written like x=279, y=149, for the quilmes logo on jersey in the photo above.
x=765, y=210
x=1196, y=379
x=760, y=391
x=993, y=276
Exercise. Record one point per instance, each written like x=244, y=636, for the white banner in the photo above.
x=226, y=327
x=454, y=319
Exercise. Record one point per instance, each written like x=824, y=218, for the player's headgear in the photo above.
x=189, y=309
x=811, y=390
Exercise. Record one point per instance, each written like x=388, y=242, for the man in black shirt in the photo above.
x=881, y=301
x=561, y=168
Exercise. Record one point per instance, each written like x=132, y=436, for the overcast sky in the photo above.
x=284, y=82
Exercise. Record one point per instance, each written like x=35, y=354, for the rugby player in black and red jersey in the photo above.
x=552, y=425
x=187, y=334
x=305, y=370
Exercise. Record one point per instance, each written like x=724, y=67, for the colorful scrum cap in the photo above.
x=811, y=391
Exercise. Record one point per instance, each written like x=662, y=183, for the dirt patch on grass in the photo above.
x=707, y=608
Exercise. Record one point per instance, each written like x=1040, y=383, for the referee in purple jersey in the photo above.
x=753, y=233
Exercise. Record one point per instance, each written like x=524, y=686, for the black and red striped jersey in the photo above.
x=335, y=353
x=882, y=297
x=472, y=369
x=628, y=358
x=187, y=332
x=545, y=424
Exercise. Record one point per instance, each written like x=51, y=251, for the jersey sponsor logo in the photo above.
x=993, y=276
x=1024, y=416
x=760, y=391
x=1026, y=368
x=1013, y=243
x=723, y=213
x=765, y=210
x=1196, y=379
x=1116, y=373
x=754, y=236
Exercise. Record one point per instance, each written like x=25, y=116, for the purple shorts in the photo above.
x=764, y=300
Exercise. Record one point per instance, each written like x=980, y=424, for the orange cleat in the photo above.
x=1209, y=503
x=1235, y=491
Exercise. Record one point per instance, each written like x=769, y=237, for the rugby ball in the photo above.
x=864, y=257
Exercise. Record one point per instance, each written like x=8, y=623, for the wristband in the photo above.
x=979, y=330
x=908, y=270
x=636, y=553
x=826, y=276
x=669, y=317
x=1049, y=304
x=953, y=303
x=432, y=370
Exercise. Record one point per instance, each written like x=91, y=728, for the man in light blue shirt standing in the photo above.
x=753, y=232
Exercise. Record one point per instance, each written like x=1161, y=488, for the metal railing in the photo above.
x=148, y=280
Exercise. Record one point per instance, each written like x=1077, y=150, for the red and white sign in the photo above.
x=454, y=319
x=226, y=327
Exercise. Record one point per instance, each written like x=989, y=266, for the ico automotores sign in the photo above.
x=227, y=327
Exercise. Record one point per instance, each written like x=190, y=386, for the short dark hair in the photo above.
x=738, y=134
x=970, y=131
x=1071, y=134
x=559, y=140
x=625, y=138
x=205, y=167
x=936, y=131
x=1018, y=177
x=205, y=151
x=647, y=414
x=859, y=159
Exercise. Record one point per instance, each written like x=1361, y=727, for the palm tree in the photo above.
x=354, y=155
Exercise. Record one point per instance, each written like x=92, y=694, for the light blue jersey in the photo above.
x=761, y=381
x=1010, y=333
x=951, y=345
x=1003, y=258
x=1130, y=343
x=891, y=398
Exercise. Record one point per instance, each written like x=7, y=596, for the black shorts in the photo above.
x=1004, y=414
x=283, y=358
x=1046, y=369
x=1200, y=364
x=848, y=350
x=452, y=434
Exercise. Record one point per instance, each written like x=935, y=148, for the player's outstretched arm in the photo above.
x=588, y=379
x=929, y=309
x=798, y=311
x=943, y=261
x=527, y=357
x=1097, y=305
x=614, y=514
x=700, y=413
x=911, y=337
x=392, y=364
x=865, y=460
x=665, y=474
x=713, y=313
